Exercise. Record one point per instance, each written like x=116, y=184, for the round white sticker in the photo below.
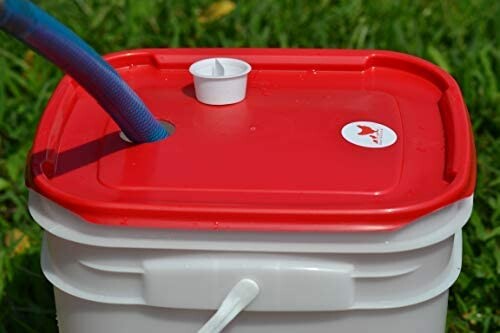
x=369, y=134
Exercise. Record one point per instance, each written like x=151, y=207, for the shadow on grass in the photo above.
x=28, y=302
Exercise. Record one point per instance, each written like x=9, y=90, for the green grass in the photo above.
x=460, y=36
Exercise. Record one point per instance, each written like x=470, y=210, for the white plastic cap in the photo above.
x=220, y=81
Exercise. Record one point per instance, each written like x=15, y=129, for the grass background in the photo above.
x=461, y=36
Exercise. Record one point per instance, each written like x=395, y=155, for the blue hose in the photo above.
x=54, y=41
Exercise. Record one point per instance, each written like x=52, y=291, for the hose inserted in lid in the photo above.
x=60, y=45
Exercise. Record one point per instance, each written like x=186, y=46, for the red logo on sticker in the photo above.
x=367, y=130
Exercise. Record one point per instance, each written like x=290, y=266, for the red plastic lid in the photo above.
x=326, y=140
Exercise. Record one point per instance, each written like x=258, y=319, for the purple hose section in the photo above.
x=60, y=45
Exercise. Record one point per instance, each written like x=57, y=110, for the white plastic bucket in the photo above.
x=331, y=200
x=112, y=279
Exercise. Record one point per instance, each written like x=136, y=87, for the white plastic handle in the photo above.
x=242, y=294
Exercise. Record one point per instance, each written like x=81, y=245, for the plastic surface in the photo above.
x=355, y=271
x=424, y=232
x=76, y=315
x=65, y=49
x=220, y=81
x=201, y=280
x=123, y=280
x=276, y=161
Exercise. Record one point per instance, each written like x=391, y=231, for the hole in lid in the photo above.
x=169, y=127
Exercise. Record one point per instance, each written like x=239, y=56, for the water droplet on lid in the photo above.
x=265, y=92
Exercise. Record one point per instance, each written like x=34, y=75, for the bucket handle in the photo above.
x=242, y=294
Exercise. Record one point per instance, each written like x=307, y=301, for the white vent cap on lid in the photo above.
x=220, y=81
